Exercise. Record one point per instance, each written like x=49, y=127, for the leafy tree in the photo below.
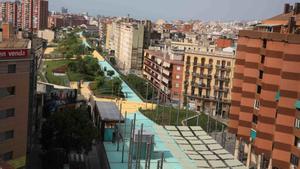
x=112, y=61
x=110, y=73
x=88, y=66
x=100, y=80
x=70, y=130
x=70, y=46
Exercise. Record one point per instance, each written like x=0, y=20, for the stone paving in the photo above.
x=202, y=148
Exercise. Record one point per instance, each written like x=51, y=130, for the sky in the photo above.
x=206, y=10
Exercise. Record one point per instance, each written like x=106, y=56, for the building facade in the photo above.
x=265, y=96
x=164, y=70
x=208, y=80
x=125, y=40
x=26, y=14
x=15, y=73
x=11, y=13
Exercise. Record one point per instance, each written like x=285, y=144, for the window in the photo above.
x=218, y=62
x=262, y=59
x=7, y=156
x=216, y=82
x=177, y=77
x=254, y=119
x=261, y=74
x=6, y=135
x=178, y=68
x=297, y=123
x=256, y=104
x=7, y=113
x=265, y=43
x=228, y=63
x=225, y=94
x=11, y=68
x=297, y=142
x=177, y=85
x=7, y=91
x=258, y=89
x=294, y=160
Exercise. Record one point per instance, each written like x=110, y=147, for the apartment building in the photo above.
x=208, y=81
x=164, y=69
x=65, y=20
x=125, y=39
x=15, y=64
x=11, y=12
x=108, y=37
x=43, y=12
x=265, y=111
x=26, y=14
x=19, y=61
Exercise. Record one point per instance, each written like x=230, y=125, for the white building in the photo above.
x=126, y=40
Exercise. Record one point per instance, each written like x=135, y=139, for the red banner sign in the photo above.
x=14, y=54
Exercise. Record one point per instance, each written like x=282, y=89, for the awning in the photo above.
x=253, y=134
x=109, y=111
x=297, y=104
x=277, y=97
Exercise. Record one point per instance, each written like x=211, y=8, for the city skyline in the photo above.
x=226, y=10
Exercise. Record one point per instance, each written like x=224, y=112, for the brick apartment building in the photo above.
x=14, y=98
x=18, y=72
x=265, y=111
x=65, y=20
x=165, y=72
x=25, y=14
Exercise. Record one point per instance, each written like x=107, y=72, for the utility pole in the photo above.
x=147, y=94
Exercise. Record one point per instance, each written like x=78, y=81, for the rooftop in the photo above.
x=160, y=54
x=283, y=19
x=15, y=44
x=109, y=111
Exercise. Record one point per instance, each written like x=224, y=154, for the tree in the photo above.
x=100, y=80
x=70, y=130
x=70, y=46
x=112, y=61
x=110, y=73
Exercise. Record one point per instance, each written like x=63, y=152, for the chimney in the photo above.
x=286, y=8
x=297, y=9
x=291, y=24
x=7, y=31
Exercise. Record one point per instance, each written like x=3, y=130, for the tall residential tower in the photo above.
x=265, y=108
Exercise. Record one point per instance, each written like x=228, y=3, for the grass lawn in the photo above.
x=63, y=80
x=49, y=75
x=168, y=116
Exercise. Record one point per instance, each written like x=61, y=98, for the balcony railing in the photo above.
x=223, y=67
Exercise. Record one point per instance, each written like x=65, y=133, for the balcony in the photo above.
x=209, y=66
x=201, y=65
x=221, y=89
x=222, y=78
x=223, y=67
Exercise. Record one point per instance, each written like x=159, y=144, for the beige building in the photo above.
x=208, y=81
x=108, y=38
x=125, y=39
x=46, y=34
x=190, y=45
